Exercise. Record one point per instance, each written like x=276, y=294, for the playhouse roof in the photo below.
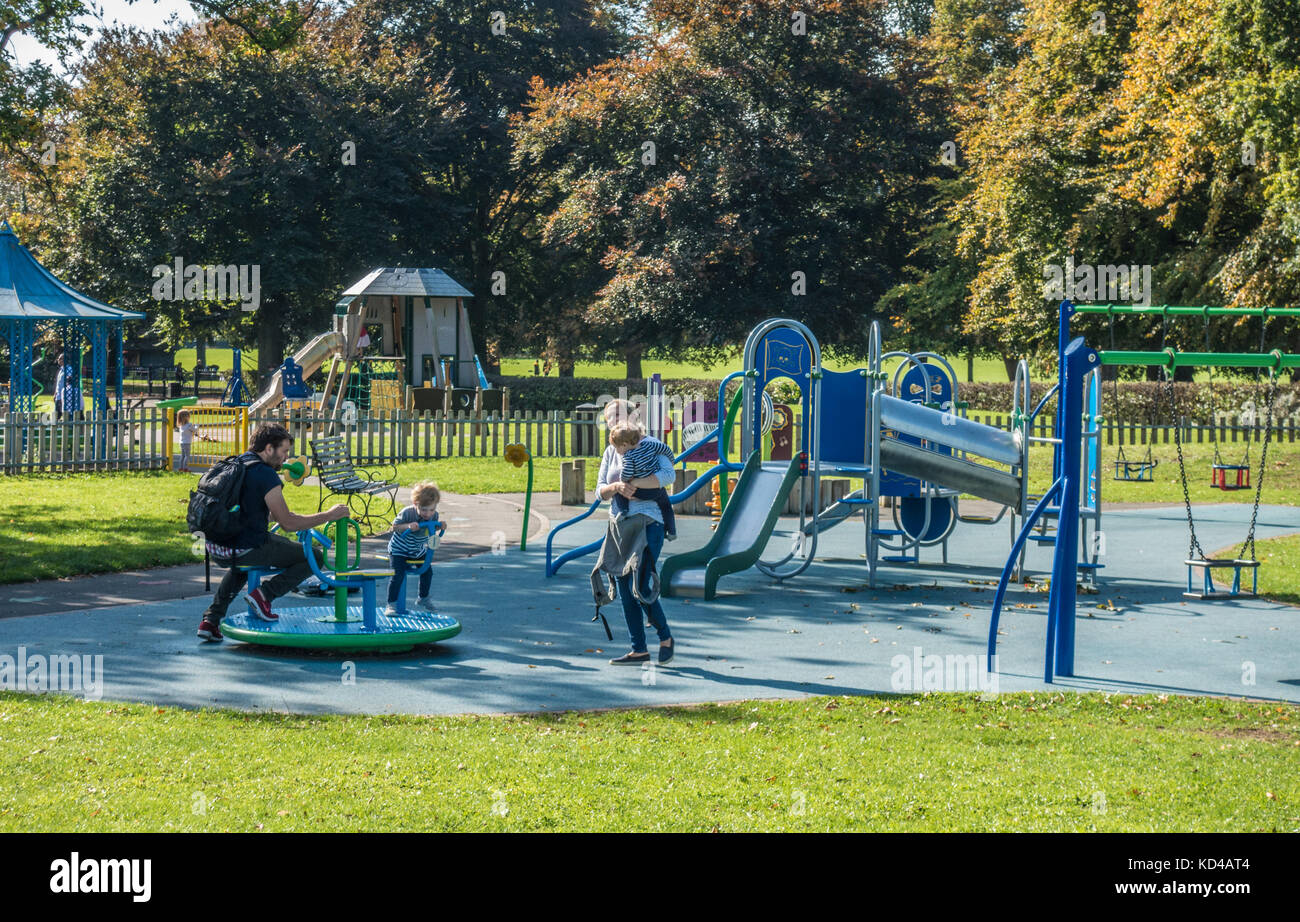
x=30, y=291
x=420, y=283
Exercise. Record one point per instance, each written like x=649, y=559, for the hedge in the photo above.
x=1147, y=402
x=1140, y=402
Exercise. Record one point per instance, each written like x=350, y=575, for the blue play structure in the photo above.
x=237, y=393
x=902, y=436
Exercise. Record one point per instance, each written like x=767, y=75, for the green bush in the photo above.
x=1140, y=402
x=1147, y=402
x=539, y=393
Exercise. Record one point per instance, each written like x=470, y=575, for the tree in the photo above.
x=739, y=164
x=489, y=56
x=202, y=147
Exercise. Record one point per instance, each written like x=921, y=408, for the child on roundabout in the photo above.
x=410, y=540
x=261, y=498
x=635, y=536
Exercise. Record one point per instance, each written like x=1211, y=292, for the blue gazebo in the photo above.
x=33, y=300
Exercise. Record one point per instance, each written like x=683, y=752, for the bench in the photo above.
x=362, y=488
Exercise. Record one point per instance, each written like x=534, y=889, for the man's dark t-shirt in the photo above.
x=259, y=479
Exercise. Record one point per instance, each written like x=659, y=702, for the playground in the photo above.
x=925, y=591
x=527, y=643
x=917, y=598
x=868, y=541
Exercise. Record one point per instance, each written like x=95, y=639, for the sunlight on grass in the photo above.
x=916, y=763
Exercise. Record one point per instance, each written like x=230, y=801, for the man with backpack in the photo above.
x=232, y=507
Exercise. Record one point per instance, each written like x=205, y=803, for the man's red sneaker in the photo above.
x=260, y=606
x=210, y=630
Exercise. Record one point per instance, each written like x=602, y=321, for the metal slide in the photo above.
x=946, y=470
x=746, y=525
x=310, y=357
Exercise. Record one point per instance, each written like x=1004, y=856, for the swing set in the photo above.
x=1063, y=497
x=1168, y=360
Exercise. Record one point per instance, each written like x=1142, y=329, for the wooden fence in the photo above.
x=141, y=439
x=32, y=443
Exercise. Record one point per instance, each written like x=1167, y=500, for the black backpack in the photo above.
x=214, y=507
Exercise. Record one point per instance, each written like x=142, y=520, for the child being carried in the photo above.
x=640, y=455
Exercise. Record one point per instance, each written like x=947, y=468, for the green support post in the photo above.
x=726, y=445
x=340, y=563
x=528, y=501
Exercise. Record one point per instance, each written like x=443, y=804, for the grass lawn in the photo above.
x=67, y=524
x=490, y=475
x=221, y=356
x=1031, y=762
x=1279, y=482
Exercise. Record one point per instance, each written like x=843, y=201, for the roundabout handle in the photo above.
x=352, y=523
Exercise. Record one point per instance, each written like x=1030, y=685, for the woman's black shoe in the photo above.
x=666, y=649
x=631, y=659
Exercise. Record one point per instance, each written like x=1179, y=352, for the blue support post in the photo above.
x=117, y=397
x=1077, y=361
x=23, y=334
x=1062, y=343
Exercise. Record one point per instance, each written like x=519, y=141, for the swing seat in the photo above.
x=1135, y=471
x=1207, y=568
x=1219, y=476
x=1140, y=471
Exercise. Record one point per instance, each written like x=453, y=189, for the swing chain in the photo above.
x=1194, y=546
x=1263, y=462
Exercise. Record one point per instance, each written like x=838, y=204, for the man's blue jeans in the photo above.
x=634, y=611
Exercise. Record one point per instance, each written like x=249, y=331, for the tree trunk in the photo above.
x=1010, y=365
x=566, y=366
x=200, y=351
x=270, y=349
x=492, y=358
x=633, y=358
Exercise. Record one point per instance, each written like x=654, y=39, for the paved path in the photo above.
x=528, y=643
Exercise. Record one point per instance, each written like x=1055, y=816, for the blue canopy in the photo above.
x=30, y=291
x=30, y=298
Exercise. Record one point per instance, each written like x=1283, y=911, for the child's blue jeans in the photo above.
x=397, y=585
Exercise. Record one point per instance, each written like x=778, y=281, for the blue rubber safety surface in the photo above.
x=528, y=644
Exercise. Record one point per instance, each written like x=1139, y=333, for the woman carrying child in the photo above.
x=620, y=417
